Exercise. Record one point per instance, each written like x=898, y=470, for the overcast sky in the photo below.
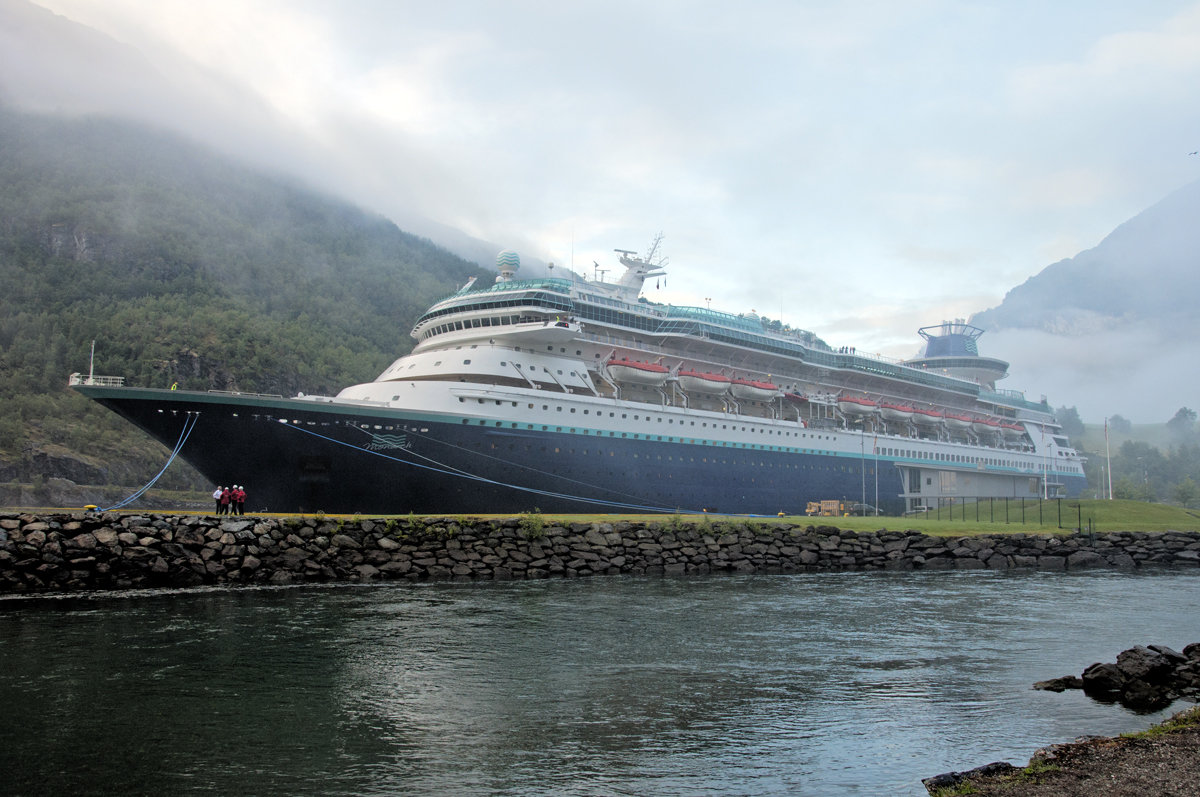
x=858, y=168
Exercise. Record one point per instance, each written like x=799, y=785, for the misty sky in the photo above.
x=858, y=168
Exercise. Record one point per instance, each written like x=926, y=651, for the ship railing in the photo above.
x=239, y=393
x=98, y=381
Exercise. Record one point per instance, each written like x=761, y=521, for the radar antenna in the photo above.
x=649, y=258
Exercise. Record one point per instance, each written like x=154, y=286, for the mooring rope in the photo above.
x=539, y=472
x=448, y=471
x=189, y=424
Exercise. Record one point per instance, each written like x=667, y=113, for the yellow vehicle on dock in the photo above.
x=827, y=509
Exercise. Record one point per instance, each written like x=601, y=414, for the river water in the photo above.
x=838, y=683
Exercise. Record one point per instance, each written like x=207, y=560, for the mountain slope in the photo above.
x=1113, y=329
x=184, y=267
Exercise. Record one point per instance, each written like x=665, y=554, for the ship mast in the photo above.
x=639, y=269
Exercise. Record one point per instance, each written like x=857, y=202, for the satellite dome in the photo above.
x=508, y=260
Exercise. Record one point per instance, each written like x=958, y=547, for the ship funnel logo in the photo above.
x=385, y=442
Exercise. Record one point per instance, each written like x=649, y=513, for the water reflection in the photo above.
x=811, y=684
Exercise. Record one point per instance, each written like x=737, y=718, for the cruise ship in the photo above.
x=576, y=395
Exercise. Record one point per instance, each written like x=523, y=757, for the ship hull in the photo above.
x=298, y=455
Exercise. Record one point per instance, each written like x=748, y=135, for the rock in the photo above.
x=1103, y=679
x=951, y=779
x=1082, y=560
x=1145, y=696
x=1060, y=684
x=1143, y=664
x=1174, y=657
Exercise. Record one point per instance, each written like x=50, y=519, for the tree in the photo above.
x=1183, y=425
x=1068, y=418
x=1120, y=425
x=1128, y=489
x=1186, y=492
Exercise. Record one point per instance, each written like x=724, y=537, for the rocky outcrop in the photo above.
x=1149, y=677
x=117, y=551
x=946, y=782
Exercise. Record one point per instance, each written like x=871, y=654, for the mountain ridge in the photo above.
x=1115, y=280
x=186, y=267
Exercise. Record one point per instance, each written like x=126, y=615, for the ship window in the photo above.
x=396, y=398
x=572, y=409
x=466, y=362
x=436, y=364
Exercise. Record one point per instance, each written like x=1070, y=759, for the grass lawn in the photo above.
x=1033, y=517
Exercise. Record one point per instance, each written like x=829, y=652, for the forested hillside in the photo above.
x=183, y=267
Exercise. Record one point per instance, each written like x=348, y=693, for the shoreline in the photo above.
x=65, y=552
x=1163, y=760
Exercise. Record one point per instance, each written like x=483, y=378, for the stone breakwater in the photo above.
x=120, y=551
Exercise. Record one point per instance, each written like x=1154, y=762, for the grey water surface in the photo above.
x=821, y=684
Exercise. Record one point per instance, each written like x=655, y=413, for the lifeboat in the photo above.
x=752, y=390
x=1012, y=431
x=985, y=425
x=924, y=417
x=695, y=381
x=635, y=372
x=958, y=422
x=852, y=405
x=895, y=412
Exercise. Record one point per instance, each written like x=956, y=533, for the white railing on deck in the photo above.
x=101, y=381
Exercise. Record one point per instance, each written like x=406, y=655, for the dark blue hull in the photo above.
x=300, y=457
